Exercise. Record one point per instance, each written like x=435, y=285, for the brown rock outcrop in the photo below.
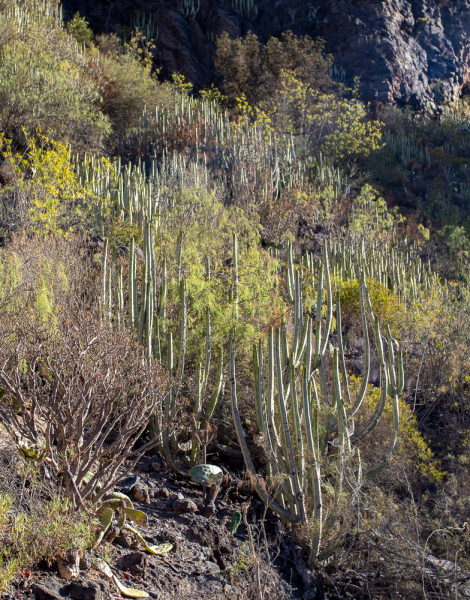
x=409, y=52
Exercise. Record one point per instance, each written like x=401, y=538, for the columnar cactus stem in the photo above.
x=259, y=485
x=294, y=454
x=202, y=378
x=104, y=271
x=131, y=286
x=235, y=274
x=287, y=441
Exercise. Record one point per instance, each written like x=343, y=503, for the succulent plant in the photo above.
x=123, y=504
x=210, y=476
x=235, y=522
x=290, y=425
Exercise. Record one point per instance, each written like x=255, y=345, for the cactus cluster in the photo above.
x=398, y=267
x=22, y=14
x=145, y=23
x=303, y=417
x=402, y=148
x=245, y=8
x=188, y=8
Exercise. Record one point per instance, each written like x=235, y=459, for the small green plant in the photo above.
x=235, y=522
x=49, y=529
x=243, y=562
x=78, y=27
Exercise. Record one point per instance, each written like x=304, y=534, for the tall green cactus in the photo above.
x=306, y=395
x=202, y=377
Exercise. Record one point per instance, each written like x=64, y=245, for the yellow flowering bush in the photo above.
x=52, y=199
x=413, y=452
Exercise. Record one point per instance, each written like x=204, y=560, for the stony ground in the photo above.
x=206, y=560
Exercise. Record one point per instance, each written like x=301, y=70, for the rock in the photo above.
x=141, y=494
x=410, y=52
x=7, y=174
x=183, y=506
x=209, y=511
x=134, y=562
x=150, y=484
x=176, y=495
x=43, y=592
x=121, y=540
x=212, y=566
x=127, y=484
x=156, y=465
x=209, y=534
x=83, y=590
x=164, y=493
x=85, y=562
x=69, y=564
x=144, y=468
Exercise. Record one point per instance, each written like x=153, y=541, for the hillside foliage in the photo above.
x=269, y=261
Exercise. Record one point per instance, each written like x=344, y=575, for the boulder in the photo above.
x=184, y=506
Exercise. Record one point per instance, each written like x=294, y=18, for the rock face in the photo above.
x=409, y=52
x=412, y=52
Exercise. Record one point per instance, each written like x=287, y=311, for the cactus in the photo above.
x=202, y=376
x=245, y=8
x=123, y=504
x=294, y=453
x=235, y=522
x=188, y=8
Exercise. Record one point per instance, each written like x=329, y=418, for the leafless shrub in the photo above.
x=77, y=395
x=48, y=274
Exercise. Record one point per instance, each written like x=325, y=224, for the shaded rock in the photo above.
x=141, y=494
x=164, y=493
x=409, y=52
x=209, y=534
x=85, y=562
x=121, y=540
x=46, y=592
x=7, y=174
x=127, y=484
x=177, y=495
x=209, y=510
x=135, y=563
x=83, y=590
x=156, y=465
x=183, y=506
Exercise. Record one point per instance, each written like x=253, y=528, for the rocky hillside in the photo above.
x=412, y=52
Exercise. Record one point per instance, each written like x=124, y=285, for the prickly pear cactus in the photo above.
x=208, y=474
x=235, y=522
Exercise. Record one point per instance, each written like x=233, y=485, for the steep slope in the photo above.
x=412, y=52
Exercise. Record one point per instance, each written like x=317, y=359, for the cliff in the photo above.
x=409, y=52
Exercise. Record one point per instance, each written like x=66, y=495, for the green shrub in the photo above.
x=45, y=83
x=128, y=84
x=255, y=70
x=79, y=29
x=47, y=196
x=42, y=534
x=413, y=452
